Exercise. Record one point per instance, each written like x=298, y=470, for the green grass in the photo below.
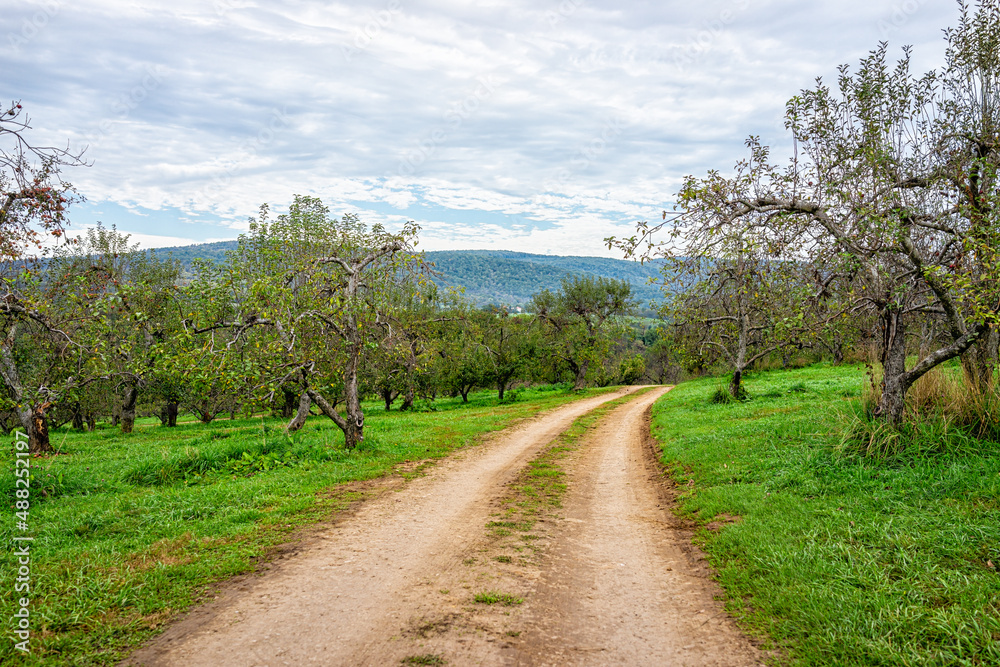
x=496, y=597
x=425, y=659
x=836, y=560
x=130, y=530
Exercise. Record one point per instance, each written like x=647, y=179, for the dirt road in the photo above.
x=604, y=580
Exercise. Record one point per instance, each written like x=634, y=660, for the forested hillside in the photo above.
x=510, y=278
x=491, y=276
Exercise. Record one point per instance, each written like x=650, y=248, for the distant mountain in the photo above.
x=510, y=278
x=499, y=277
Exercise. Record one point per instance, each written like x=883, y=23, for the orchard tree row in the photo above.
x=309, y=313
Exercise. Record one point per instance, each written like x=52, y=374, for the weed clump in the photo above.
x=496, y=597
x=425, y=659
x=722, y=396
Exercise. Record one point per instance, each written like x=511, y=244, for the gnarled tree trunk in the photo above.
x=299, y=420
x=36, y=425
x=290, y=403
x=32, y=416
x=580, y=370
x=895, y=379
x=128, y=408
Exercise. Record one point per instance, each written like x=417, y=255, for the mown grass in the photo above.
x=131, y=529
x=837, y=559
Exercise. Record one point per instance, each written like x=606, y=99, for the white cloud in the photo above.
x=486, y=110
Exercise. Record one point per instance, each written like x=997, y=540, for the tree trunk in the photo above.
x=77, y=418
x=38, y=436
x=36, y=425
x=290, y=404
x=465, y=393
x=91, y=421
x=128, y=408
x=895, y=380
x=303, y=411
x=736, y=384
x=581, y=375
x=353, y=422
x=170, y=410
x=838, y=352
x=388, y=395
x=980, y=361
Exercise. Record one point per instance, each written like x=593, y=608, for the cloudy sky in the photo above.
x=534, y=125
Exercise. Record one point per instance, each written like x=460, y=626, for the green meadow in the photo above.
x=829, y=558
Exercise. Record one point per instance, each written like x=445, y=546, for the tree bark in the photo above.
x=32, y=417
x=128, y=408
x=838, y=352
x=353, y=422
x=736, y=384
x=36, y=425
x=290, y=404
x=980, y=361
x=299, y=420
x=170, y=410
x=411, y=371
x=388, y=396
x=581, y=375
x=38, y=434
x=894, y=376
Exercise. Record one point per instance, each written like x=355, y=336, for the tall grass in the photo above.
x=945, y=413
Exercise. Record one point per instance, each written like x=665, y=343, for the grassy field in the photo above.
x=832, y=559
x=129, y=530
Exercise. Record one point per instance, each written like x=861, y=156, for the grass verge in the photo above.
x=836, y=560
x=132, y=529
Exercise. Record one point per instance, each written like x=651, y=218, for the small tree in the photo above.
x=507, y=344
x=317, y=293
x=578, y=319
x=129, y=310
x=34, y=199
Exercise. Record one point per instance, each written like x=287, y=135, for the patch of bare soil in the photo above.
x=357, y=594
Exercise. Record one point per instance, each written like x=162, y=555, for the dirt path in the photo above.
x=623, y=585
x=605, y=581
